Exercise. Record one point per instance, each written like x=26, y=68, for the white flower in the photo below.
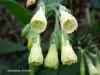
x=68, y=56
x=38, y=21
x=67, y=21
x=92, y=69
x=36, y=56
x=51, y=59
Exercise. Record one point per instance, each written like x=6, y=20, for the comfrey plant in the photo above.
x=65, y=23
x=38, y=24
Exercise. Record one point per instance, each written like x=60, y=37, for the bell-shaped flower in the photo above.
x=98, y=66
x=92, y=69
x=38, y=21
x=67, y=21
x=36, y=56
x=51, y=60
x=68, y=56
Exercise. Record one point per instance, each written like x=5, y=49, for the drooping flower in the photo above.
x=92, y=69
x=98, y=66
x=38, y=21
x=36, y=56
x=51, y=59
x=67, y=21
x=68, y=56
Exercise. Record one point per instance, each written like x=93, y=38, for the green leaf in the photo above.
x=62, y=70
x=22, y=14
x=4, y=66
x=69, y=70
x=46, y=71
x=22, y=62
x=7, y=46
x=95, y=29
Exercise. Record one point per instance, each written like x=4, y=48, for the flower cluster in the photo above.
x=38, y=24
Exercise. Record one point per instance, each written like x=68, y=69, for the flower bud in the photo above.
x=67, y=21
x=30, y=42
x=68, y=56
x=51, y=59
x=92, y=69
x=30, y=2
x=38, y=21
x=36, y=56
x=25, y=30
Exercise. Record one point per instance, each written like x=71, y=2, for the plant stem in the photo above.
x=31, y=67
x=57, y=28
x=82, y=65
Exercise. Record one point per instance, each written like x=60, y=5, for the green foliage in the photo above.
x=7, y=46
x=4, y=66
x=62, y=70
x=22, y=62
x=95, y=29
x=21, y=13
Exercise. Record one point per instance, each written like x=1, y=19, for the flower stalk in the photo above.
x=31, y=67
x=82, y=64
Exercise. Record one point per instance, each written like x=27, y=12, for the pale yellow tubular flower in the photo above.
x=38, y=21
x=51, y=60
x=67, y=21
x=92, y=69
x=36, y=56
x=68, y=56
